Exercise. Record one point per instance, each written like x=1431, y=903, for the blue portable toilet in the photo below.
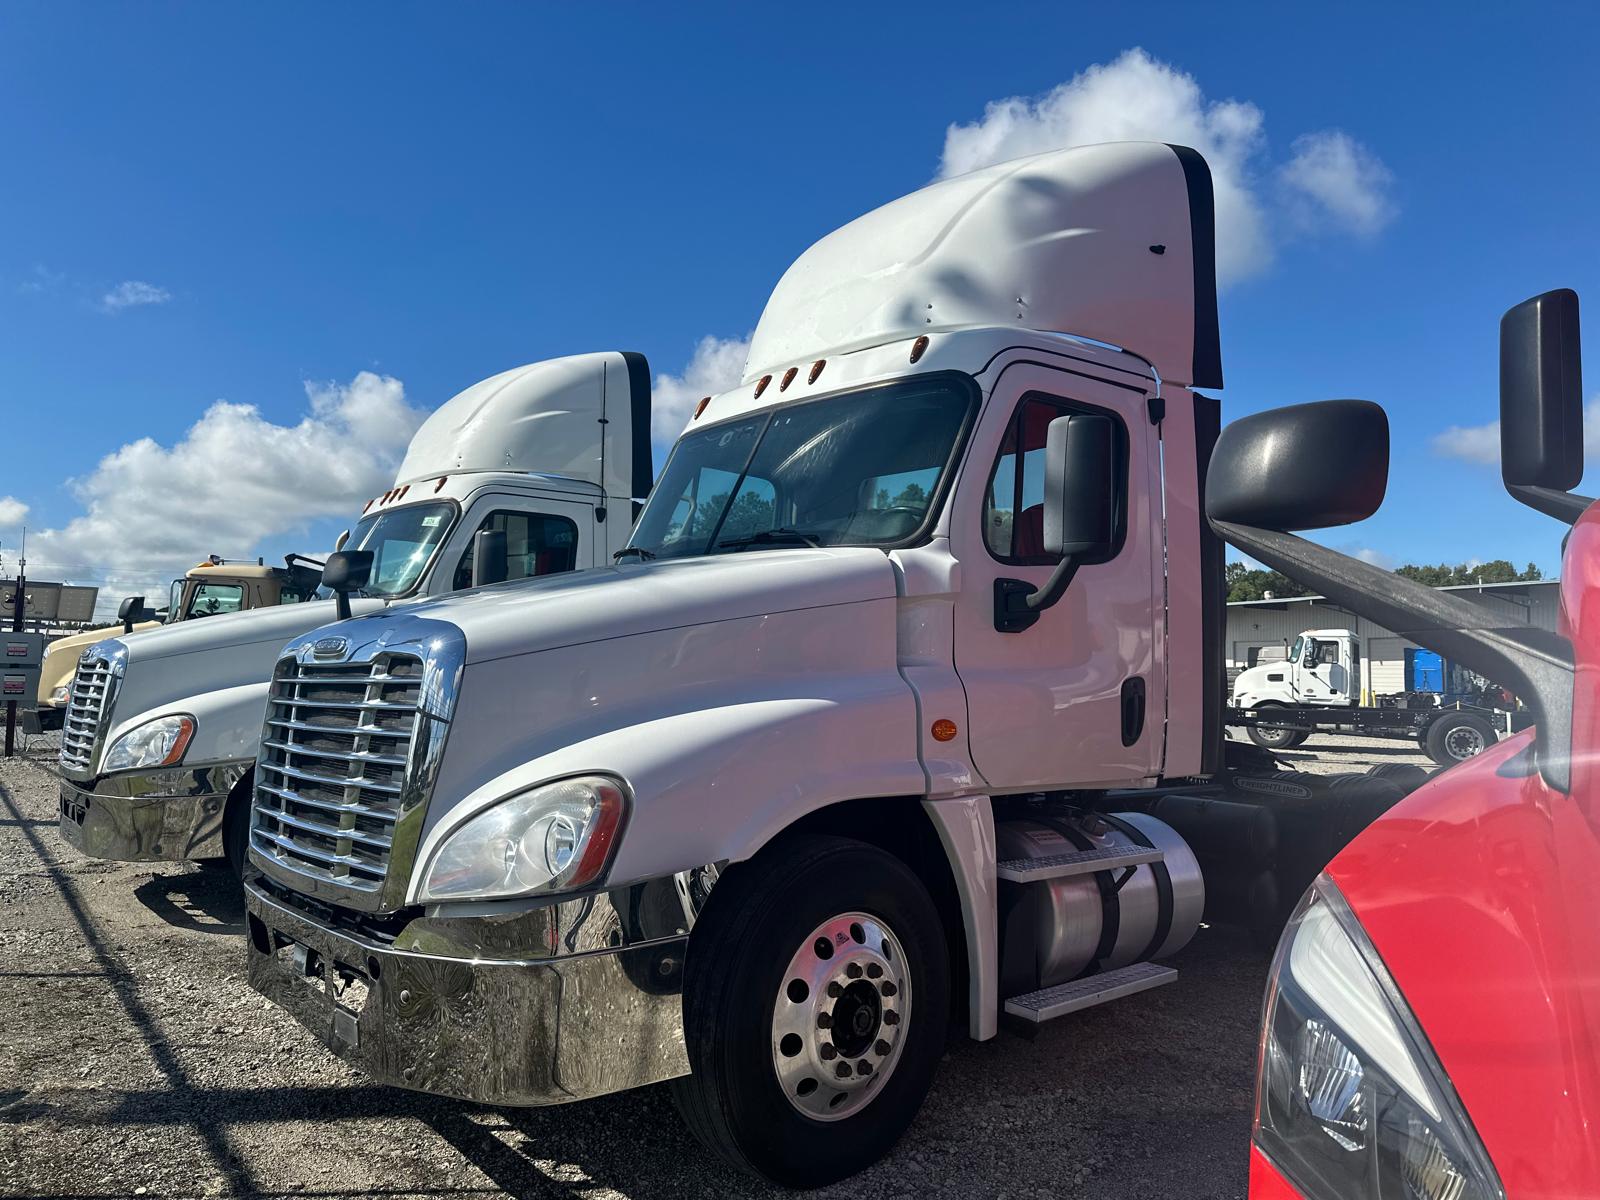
x=1424, y=670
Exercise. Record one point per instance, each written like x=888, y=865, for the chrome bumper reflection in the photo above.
x=521, y=1032
x=150, y=816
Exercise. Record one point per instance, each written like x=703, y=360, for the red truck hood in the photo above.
x=1481, y=891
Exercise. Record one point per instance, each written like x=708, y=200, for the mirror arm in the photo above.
x=1565, y=507
x=1535, y=664
x=341, y=605
x=1017, y=603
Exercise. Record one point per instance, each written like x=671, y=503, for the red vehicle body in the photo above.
x=1479, y=895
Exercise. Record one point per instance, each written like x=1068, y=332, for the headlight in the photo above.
x=60, y=695
x=1351, y=1102
x=158, y=743
x=551, y=838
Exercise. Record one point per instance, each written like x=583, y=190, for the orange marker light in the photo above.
x=440, y=484
x=816, y=369
x=701, y=407
x=944, y=730
x=919, y=347
x=761, y=385
x=788, y=378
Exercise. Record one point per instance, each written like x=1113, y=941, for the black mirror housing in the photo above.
x=346, y=571
x=490, y=562
x=130, y=612
x=1080, y=482
x=1307, y=466
x=1541, y=393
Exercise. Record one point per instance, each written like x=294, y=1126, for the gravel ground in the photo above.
x=134, y=1060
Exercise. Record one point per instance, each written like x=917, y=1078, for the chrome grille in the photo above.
x=92, y=687
x=332, y=769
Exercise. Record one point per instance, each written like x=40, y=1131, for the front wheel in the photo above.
x=816, y=1001
x=1274, y=739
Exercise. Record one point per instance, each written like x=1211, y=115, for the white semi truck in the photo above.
x=537, y=468
x=835, y=752
x=1317, y=689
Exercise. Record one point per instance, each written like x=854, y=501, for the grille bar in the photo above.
x=86, y=705
x=332, y=770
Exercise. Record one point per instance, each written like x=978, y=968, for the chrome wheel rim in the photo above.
x=1464, y=742
x=839, y=1019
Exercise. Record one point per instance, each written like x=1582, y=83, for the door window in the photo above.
x=212, y=599
x=1013, y=513
x=536, y=544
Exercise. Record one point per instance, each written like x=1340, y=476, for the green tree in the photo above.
x=1497, y=570
x=1253, y=583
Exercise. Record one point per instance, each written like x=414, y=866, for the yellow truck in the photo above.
x=211, y=588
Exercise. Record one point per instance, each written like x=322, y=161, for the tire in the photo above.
x=1458, y=736
x=1274, y=739
x=754, y=1040
x=1301, y=737
x=236, y=824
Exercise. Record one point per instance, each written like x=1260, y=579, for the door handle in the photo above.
x=1132, y=709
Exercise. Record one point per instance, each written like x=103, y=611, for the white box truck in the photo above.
x=538, y=467
x=833, y=753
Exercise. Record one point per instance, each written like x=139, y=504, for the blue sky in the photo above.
x=216, y=202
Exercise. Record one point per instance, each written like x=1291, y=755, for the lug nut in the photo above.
x=891, y=1017
x=874, y=970
x=853, y=970
x=887, y=988
x=834, y=990
x=864, y=1067
x=829, y=1053
x=880, y=1048
x=843, y=1071
x=824, y=1021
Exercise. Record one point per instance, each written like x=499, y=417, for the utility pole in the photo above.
x=17, y=602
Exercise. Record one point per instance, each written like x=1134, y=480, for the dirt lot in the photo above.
x=134, y=1060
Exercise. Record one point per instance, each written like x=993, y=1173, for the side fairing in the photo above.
x=725, y=732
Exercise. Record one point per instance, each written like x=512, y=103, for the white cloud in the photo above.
x=716, y=365
x=1335, y=182
x=132, y=293
x=1376, y=558
x=1137, y=97
x=234, y=480
x=13, y=512
x=1481, y=443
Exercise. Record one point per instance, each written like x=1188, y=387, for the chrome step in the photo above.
x=1051, y=1002
x=1080, y=862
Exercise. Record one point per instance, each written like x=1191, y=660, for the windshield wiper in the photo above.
x=644, y=555
x=773, y=537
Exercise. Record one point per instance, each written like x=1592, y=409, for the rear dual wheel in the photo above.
x=816, y=1001
x=1456, y=737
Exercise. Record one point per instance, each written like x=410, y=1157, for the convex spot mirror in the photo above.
x=1307, y=466
x=1541, y=393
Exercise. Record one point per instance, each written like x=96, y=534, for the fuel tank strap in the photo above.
x=1163, y=882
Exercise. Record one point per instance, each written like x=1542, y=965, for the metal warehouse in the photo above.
x=1265, y=628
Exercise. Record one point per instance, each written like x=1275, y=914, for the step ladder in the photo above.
x=1048, y=1003
x=1079, y=862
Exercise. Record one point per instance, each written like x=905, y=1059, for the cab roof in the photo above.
x=1112, y=242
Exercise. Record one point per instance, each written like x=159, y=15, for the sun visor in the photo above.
x=1113, y=242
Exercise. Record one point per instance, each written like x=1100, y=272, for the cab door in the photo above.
x=544, y=536
x=1078, y=698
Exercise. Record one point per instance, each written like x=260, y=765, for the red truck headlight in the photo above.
x=1351, y=1101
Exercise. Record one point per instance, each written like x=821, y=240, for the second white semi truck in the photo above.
x=838, y=749
x=538, y=468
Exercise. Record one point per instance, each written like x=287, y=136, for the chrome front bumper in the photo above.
x=451, y=1014
x=150, y=816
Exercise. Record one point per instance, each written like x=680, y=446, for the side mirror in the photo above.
x=130, y=612
x=1308, y=466
x=1541, y=404
x=489, y=559
x=1080, y=514
x=341, y=540
x=346, y=571
x=1313, y=655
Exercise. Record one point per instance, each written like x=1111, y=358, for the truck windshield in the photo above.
x=861, y=469
x=403, y=541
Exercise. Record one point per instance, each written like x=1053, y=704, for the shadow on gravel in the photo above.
x=208, y=900
x=126, y=989
x=1328, y=754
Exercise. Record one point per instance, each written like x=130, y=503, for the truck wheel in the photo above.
x=815, y=1008
x=1273, y=739
x=1458, y=736
x=236, y=824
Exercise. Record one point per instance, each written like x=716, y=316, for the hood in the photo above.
x=612, y=602
x=1481, y=893
x=250, y=627
x=1252, y=678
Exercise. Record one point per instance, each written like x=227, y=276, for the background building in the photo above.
x=1260, y=629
